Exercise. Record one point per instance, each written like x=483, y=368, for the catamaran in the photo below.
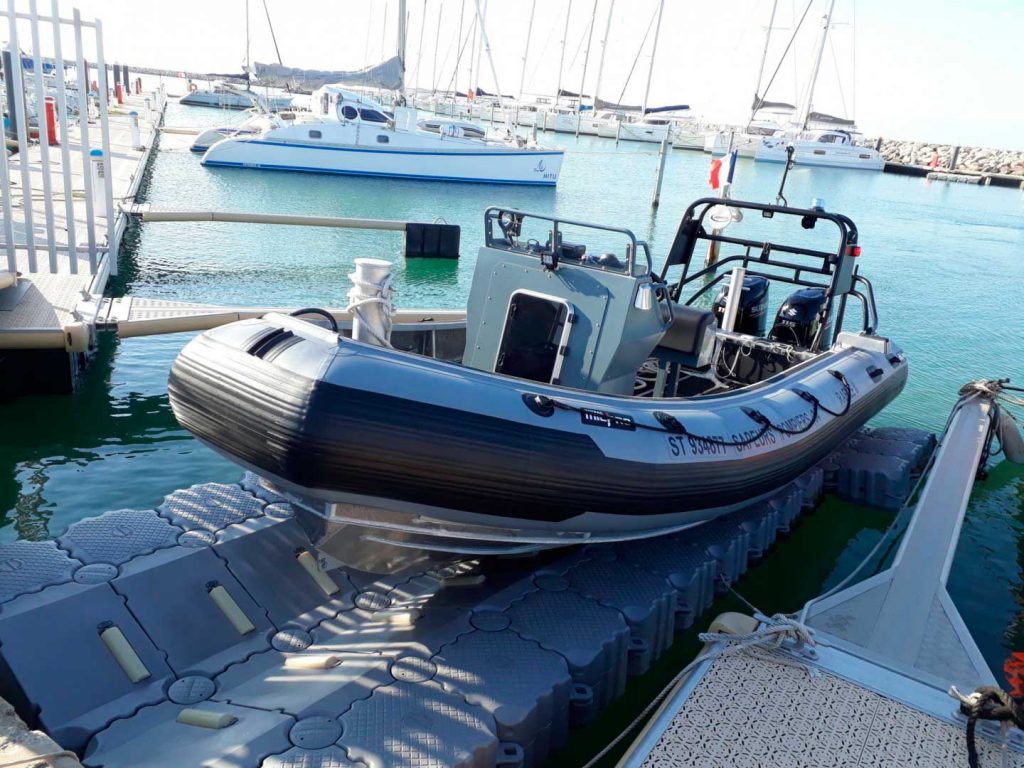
x=352, y=134
x=349, y=132
x=834, y=148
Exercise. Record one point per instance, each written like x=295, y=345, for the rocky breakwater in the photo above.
x=961, y=159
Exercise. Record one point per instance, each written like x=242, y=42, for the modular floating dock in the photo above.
x=208, y=632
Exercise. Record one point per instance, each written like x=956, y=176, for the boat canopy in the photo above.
x=821, y=117
x=386, y=75
x=669, y=108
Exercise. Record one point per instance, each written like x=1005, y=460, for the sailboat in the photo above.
x=832, y=145
x=224, y=95
x=351, y=133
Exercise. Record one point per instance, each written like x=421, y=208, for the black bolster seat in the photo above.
x=690, y=336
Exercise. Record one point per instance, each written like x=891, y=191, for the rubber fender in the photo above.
x=1010, y=437
x=76, y=337
x=733, y=623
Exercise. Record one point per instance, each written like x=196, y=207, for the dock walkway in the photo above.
x=48, y=303
x=873, y=690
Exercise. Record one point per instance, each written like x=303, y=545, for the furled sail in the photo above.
x=386, y=75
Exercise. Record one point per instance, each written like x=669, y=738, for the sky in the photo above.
x=930, y=70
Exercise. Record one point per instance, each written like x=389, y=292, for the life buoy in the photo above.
x=192, y=87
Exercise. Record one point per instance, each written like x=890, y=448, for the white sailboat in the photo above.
x=829, y=147
x=353, y=134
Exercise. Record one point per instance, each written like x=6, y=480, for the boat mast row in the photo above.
x=654, y=51
x=806, y=116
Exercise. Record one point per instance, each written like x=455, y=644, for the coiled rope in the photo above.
x=362, y=294
x=987, y=702
x=771, y=635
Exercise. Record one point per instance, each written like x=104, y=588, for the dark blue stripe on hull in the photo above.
x=305, y=169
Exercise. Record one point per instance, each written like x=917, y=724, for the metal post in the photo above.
x=656, y=200
x=19, y=118
x=108, y=184
x=65, y=152
x=83, y=123
x=5, y=181
x=618, y=128
x=44, y=134
x=953, y=158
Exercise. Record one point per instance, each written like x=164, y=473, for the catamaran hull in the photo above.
x=373, y=438
x=498, y=166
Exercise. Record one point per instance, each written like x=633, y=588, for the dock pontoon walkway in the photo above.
x=874, y=688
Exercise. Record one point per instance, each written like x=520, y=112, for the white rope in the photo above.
x=771, y=634
x=362, y=294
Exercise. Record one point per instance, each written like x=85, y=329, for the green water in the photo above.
x=946, y=262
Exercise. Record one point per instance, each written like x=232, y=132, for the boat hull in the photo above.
x=490, y=165
x=373, y=437
x=810, y=153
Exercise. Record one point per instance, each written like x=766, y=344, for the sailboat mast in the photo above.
x=764, y=58
x=817, y=65
x=586, y=56
x=604, y=47
x=654, y=51
x=437, y=44
x=419, y=50
x=247, y=41
x=401, y=40
x=526, y=50
x=486, y=44
x=561, y=59
x=482, y=21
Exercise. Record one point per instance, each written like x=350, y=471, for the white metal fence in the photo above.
x=42, y=46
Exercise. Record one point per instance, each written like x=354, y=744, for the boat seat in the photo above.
x=690, y=339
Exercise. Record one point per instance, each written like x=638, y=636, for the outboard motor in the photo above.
x=752, y=314
x=799, y=318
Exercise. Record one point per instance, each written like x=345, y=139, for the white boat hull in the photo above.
x=486, y=165
x=745, y=144
x=652, y=134
x=813, y=153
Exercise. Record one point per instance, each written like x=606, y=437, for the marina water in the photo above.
x=947, y=263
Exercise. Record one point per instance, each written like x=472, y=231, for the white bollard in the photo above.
x=370, y=301
x=133, y=124
x=99, y=198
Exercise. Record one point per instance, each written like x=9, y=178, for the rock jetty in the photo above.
x=967, y=159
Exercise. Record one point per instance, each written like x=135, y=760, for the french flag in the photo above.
x=723, y=167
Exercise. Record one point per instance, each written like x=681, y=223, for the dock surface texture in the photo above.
x=873, y=691
x=203, y=633
x=54, y=296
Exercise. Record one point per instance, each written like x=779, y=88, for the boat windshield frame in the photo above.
x=509, y=222
x=839, y=268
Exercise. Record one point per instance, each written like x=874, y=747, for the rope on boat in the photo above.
x=988, y=702
x=358, y=300
x=771, y=635
x=667, y=423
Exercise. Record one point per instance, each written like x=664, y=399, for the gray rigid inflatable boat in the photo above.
x=577, y=399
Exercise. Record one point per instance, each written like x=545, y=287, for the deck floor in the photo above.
x=751, y=710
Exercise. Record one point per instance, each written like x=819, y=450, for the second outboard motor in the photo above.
x=752, y=315
x=799, y=318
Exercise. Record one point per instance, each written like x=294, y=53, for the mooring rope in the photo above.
x=988, y=702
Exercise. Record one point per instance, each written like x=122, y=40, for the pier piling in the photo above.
x=656, y=200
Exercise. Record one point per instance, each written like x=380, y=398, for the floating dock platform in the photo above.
x=873, y=689
x=207, y=632
x=47, y=322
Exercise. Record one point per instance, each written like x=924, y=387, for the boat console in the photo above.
x=546, y=308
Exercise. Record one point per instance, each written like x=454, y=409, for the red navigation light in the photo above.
x=853, y=250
